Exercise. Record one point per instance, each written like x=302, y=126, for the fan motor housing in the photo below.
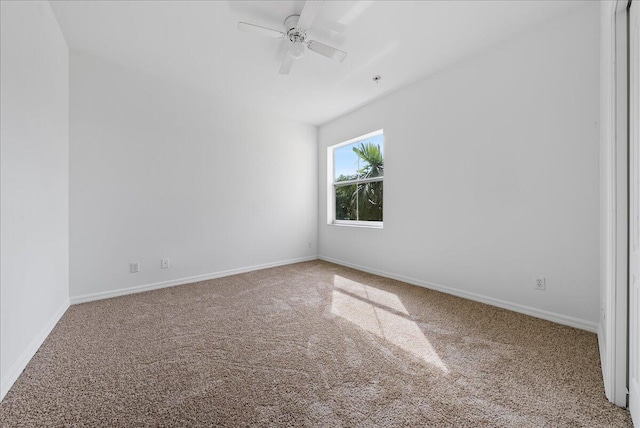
x=291, y=27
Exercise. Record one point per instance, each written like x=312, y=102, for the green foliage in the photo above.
x=362, y=201
x=344, y=209
x=371, y=155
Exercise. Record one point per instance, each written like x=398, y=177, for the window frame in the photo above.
x=332, y=185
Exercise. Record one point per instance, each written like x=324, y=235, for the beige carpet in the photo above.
x=310, y=344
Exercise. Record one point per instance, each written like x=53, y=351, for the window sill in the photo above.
x=363, y=225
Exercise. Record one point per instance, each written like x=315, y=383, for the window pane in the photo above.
x=362, y=159
x=361, y=202
x=346, y=163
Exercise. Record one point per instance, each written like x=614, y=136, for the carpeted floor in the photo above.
x=310, y=344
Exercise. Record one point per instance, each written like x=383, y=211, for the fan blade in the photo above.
x=326, y=50
x=263, y=31
x=287, y=62
x=308, y=15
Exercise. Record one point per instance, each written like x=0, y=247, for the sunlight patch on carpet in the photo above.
x=383, y=314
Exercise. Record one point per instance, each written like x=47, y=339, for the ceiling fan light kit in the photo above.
x=296, y=27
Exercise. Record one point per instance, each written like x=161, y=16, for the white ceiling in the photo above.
x=197, y=44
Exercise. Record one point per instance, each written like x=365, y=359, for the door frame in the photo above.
x=612, y=332
x=633, y=365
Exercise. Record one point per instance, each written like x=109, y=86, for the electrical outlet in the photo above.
x=164, y=263
x=541, y=284
x=135, y=267
x=309, y=244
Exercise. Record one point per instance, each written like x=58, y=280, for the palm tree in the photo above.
x=371, y=155
x=367, y=196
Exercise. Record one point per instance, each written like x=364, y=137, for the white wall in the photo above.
x=491, y=176
x=159, y=171
x=34, y=176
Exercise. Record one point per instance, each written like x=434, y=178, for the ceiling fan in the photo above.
x=295, y=30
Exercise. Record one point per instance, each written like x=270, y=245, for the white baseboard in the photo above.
x=527, y=310
x=180, y=281
x=16, y=369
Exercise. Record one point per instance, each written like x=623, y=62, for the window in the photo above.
x=356, y=173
